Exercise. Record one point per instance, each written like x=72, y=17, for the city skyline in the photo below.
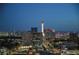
x=21, y=17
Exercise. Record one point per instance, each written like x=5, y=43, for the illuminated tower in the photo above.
x=42, y=28
x=44, y=42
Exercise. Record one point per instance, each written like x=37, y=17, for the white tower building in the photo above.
x=44, y=43
x=42, y=28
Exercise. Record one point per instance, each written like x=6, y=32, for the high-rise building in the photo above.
x=34, y=29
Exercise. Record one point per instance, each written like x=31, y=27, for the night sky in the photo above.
x=21, y=17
